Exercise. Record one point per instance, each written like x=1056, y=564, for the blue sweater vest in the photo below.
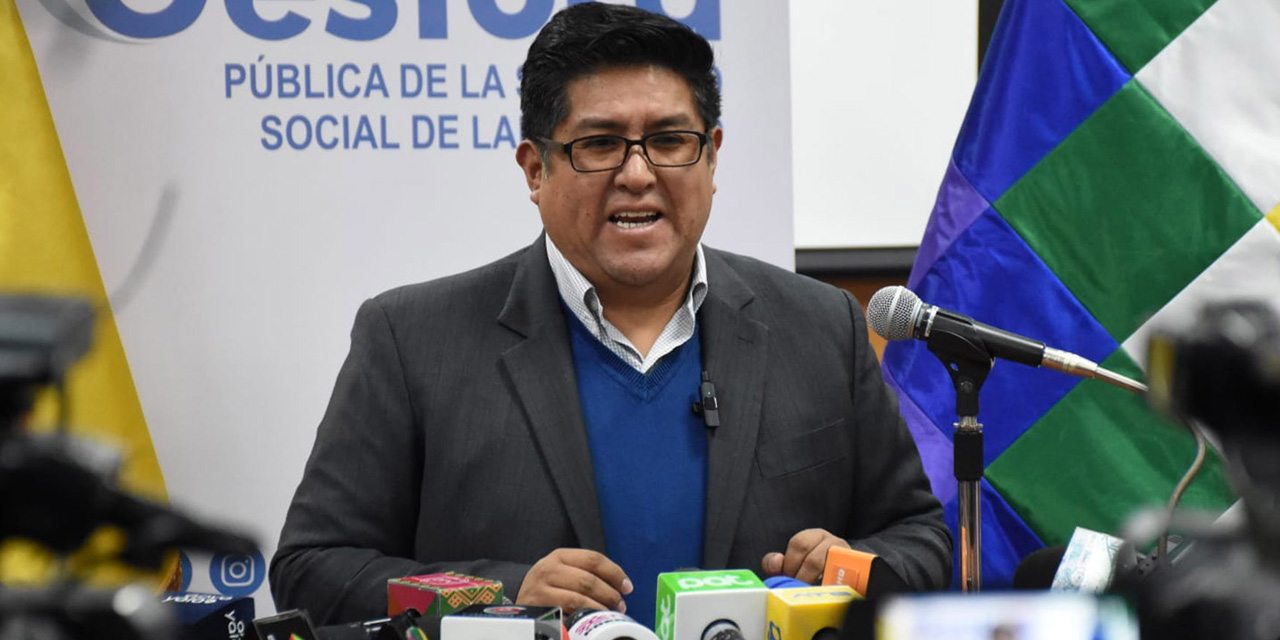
x=649, y=453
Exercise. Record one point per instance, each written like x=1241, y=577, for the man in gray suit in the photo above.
x=530, y=422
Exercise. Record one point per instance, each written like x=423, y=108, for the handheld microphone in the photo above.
x=404, y=625
x=502, y=622
x=294, y=624
x=439, y=594
x=1036, y=570
x=710, y=605
x=1088, y=562
x=784, y=582
x=594, y=624
x=208, y=616
x=866, y=573
x=808, y=613
x=895, y=313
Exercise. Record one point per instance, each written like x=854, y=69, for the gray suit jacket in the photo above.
x=454, y=438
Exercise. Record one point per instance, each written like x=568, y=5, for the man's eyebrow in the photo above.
x=671, y=121
x=614, y=126
x=598, y=124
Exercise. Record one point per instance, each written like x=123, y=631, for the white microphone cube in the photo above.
x=690, y=601
x=502, y=622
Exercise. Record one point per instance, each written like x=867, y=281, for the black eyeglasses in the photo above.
x=608, y=152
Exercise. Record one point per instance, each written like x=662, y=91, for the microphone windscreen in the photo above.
x=891, y=311
x=1036, y=570
x=594, y=624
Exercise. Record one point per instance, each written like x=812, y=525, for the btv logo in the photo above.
x=713, y=582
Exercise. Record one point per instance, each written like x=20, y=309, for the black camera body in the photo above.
x=1225, y=373
x=57, y=490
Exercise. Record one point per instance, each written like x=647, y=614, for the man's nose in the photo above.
x=636, y=172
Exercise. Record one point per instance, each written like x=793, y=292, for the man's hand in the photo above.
x=573, y=579
x=806, y=555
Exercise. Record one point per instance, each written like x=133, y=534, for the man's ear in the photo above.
x=717, y=138
x=530, y=160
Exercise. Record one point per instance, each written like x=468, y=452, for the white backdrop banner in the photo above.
x=317, y=152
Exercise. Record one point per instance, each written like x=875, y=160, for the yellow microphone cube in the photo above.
x=803, y=612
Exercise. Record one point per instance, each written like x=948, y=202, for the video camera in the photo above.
x=1225, y=373
x=57, y=490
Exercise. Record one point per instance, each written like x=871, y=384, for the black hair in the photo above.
x=586, y=37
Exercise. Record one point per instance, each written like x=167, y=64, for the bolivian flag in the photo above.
x=1119, y=166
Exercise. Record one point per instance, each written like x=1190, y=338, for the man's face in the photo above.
x=591, y=216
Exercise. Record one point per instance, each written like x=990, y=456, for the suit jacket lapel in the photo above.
x=734, y=356
x=541, y=372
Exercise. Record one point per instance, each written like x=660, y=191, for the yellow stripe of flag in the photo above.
x=45, y=249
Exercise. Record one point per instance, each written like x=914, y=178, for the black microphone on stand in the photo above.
x=895, y=313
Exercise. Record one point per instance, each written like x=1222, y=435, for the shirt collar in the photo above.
x=580, y=295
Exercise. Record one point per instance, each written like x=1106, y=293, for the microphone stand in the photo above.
x=968, y=361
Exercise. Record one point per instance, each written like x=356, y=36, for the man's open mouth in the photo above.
x=634, y=219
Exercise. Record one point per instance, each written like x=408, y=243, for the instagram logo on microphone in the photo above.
x=237, y=571
x=237, y=574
